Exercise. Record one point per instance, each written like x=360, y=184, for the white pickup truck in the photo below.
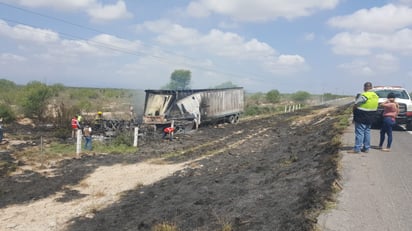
x=402, y=98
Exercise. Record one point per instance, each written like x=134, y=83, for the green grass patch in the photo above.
x=165, y=226
x=114, y=148
x=55, y=150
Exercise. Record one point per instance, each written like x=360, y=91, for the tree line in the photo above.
x=37, y=100
x=56, y=103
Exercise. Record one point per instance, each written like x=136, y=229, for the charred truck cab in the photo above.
x=190, y=108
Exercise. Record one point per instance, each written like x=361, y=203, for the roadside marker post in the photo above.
x=172, y=133
x=136, y=136
x=79, y=142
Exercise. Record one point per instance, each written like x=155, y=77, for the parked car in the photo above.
x=402, y=98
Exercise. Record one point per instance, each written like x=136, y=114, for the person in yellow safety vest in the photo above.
x=80, y=120
x=364, y=115
x=99, y=115
x=98, y=120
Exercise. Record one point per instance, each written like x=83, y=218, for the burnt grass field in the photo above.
x=268, y=173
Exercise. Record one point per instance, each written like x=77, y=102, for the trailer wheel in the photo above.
x=409, y=126
x=236, y=118
x=232, y=119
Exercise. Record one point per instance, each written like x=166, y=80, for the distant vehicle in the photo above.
x=190, y=108
x=402, y=98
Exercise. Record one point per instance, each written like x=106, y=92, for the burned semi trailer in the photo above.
x=193, y=107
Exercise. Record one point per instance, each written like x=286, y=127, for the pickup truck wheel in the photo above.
x=409, y=126
x=376, y=126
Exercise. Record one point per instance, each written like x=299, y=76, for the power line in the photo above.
x=114, y=48
x=70, y=23
x=51, y=17
x=134, y=53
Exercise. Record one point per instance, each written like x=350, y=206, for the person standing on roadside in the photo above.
x=87, y=132
x=364, y=114
x=390, y=111
x=80, y=120
x=98, y=121
x=75, y=126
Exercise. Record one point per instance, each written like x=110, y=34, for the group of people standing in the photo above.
x=77, y=124
x=364, y=115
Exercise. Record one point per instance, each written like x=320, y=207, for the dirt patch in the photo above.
x=269, y=173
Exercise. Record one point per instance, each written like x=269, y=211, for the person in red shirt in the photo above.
x=390, y=111
x=168, y=131
x=75, y=126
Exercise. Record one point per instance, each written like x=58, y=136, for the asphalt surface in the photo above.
x=377, y=187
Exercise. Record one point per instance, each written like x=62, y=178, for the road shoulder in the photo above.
x=376, y=191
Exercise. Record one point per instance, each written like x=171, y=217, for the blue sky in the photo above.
x=318, y=46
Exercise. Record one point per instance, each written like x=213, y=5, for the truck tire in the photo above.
x=376, y=125
x=236, y=118
x=409, y=126
x=232, y=119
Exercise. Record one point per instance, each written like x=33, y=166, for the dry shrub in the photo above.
x=165, y=227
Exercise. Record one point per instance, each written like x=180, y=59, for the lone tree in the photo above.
x=35, y=99
x=179, y=80
x=300, y=96
x=8, y=91
x=273, y=96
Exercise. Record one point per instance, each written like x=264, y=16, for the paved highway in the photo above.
x=377, y=187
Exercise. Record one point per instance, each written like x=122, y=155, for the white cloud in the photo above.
x=347, y=43
x=109, y=12
x=76, y=48
x=47, y=44
x=216, y=41
x=102, y=45
x=379, y=35
x=380, y=64
x=357, y=67
x=116, y=43
x=157, y=26
x=406, y=2
x=94, y=8
x=259, y=10
x=176, y=34
x=7, y=58
x=386, y=63
x=224, y=45
x=27, y=33
x=169, y=33
x=232, y=45
x=196, y=9
x=60, y=5
x=164, y=64
x=228, y=25
x=291, y=60
x=309, y=36
x=388, y=18
x=286, y=64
